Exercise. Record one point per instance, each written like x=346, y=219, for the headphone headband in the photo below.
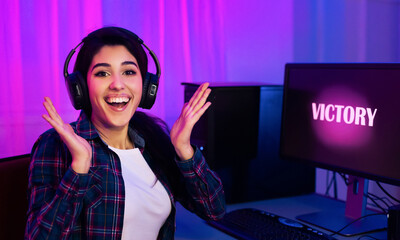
x=69, y=59
x=156, y=62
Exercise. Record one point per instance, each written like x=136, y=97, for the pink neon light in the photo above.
x=161, y=57
x=186, y=41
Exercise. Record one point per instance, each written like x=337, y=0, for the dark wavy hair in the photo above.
x=108, y=36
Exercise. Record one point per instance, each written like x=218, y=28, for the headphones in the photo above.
x=77, y=86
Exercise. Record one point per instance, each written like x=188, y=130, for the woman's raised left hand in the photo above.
x=191, y=113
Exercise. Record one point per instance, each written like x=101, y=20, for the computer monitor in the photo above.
x=344, y=117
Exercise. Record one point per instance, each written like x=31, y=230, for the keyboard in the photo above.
x=254, y=224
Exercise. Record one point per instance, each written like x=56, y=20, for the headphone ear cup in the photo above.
x=77, y=90
x=150, y=87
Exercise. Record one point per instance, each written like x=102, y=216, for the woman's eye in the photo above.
x=130, y=72
x=101, y=74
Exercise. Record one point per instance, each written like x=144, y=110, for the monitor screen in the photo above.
x=344, y=117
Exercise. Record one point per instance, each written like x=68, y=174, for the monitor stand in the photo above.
x=336, y=219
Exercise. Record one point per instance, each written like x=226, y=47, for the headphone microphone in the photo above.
x=77, y=86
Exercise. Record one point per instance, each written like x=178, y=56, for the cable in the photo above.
x=381, y=199
x=387, y=193
x=356, y=220
x=345, y=179
x=376, y=204
x=329, y=184
x=335, y=190
x=385, y=199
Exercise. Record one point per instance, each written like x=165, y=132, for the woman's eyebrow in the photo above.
x=129, y=63
x=101, y=65
x=108, y=65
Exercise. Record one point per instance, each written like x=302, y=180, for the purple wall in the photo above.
x=196, y=41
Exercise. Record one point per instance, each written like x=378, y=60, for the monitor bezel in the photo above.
x=367, y=175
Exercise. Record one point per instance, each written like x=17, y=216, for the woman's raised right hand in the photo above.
x=80, y=149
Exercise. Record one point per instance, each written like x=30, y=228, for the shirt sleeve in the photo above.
x=55, y=191
x=205, y=191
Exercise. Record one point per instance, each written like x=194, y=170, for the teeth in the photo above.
x=118, y=100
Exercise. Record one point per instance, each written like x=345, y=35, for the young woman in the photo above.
x=116, y=172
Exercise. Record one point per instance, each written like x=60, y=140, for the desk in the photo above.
x=189, y=226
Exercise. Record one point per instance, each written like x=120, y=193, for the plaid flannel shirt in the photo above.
x=67, y=205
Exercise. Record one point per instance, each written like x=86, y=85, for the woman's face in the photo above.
x=115, y=87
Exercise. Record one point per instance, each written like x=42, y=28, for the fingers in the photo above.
x=198, y=94
x=191, y=113
x=48, y=100
x=53, y=123
x=53, y=118
x=51, y=110
x=201, y=111
x=199, y=98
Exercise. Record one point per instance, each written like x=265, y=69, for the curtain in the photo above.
x=195, y=41
x=36, y=37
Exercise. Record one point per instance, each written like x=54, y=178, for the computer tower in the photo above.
x=393, y=231
x=239, y=137
x=228, y=131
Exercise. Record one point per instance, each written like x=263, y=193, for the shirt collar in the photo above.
x=86, y=129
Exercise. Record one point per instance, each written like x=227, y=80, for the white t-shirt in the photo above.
x=147, y=204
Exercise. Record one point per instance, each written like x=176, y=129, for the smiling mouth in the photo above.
x=117, y=102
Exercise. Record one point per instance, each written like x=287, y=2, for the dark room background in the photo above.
x=195, y=41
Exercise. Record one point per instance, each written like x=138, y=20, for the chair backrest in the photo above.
x=13, y=196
